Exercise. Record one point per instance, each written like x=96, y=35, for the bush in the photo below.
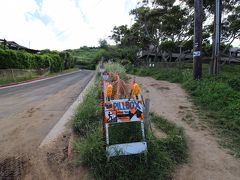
x=116, y=68
x=14, y=59
x=235, y=83
x=57, y=63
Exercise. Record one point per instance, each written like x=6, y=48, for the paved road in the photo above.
x=28, y=112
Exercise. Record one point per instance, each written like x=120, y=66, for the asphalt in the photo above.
x=28, y=112
x=63, y=80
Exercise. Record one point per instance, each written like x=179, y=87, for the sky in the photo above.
x=62, y=24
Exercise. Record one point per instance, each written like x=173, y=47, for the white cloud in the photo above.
x=62, y=24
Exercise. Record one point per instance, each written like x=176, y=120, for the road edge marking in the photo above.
x=60, y=127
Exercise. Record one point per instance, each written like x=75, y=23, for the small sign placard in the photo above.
x=196, y=53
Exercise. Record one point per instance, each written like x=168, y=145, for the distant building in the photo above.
x=151, y=54
x=15, y=46
x=234, y=52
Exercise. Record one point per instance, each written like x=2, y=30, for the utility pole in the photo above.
x=216, y=42
x=197, y=64
x=4, y=43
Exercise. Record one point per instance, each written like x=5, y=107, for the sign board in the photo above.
x=123, y=110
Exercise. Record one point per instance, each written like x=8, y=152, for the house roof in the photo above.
x=16, y=46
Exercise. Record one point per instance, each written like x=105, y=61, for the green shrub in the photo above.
x=235, y=83
x=116, y=68
x=56, y=63
x=16, y=59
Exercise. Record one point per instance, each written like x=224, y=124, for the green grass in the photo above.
x=116, y=68
x=18, y=79
x=8, y=76
x=175, y=142
x=217, y=97
x=126, y=133
x=88, y=57
x=87, y=118
x=162, y=157
x=63, y=72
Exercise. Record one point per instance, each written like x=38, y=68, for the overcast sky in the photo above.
x=62, y=24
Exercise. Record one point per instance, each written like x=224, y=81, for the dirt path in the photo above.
x=207, y=160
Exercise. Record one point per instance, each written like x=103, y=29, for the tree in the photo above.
x=119, y=33
x=103, y=43
x=231, y=27
x=230, y=20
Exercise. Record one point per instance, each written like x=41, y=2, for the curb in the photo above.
x=11, y=85
x=59, y=127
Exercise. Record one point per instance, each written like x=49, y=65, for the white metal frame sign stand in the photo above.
x=123, y=111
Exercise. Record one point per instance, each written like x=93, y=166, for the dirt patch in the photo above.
x=158, y=133
x=13, y=167
x=31, y=112
x=51, y=162
x=207, y=159
x=159, y=87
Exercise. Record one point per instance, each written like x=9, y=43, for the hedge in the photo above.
x=18, y=59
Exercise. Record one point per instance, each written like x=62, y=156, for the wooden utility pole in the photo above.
x=197, y=47
x=216, y=41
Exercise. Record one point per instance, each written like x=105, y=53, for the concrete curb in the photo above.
x=59, y=128
x=33, y=81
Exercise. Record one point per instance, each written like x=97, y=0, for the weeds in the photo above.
x=87, y=117
x=116, y=68
x=162, y=156
x=218, y=97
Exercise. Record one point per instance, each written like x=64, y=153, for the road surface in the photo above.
x=28, y=112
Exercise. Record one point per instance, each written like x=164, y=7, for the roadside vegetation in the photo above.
x=19, y=65
x=87, y=57
x=53, y=60
x=9, y=76
x=163, y=154
x=218, y=97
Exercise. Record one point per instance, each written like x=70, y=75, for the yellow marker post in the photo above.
x=136, y=90
x=109, y=91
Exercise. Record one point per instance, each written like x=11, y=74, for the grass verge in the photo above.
x=87, y=58
x=217, y=97
x=63, y=72
x=163, y=154
x=10, y=80
x=16, y=80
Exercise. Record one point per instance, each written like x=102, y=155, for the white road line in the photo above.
x=21, y=84
x=59, y=128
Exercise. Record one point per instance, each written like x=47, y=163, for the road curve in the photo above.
x=28, y=112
